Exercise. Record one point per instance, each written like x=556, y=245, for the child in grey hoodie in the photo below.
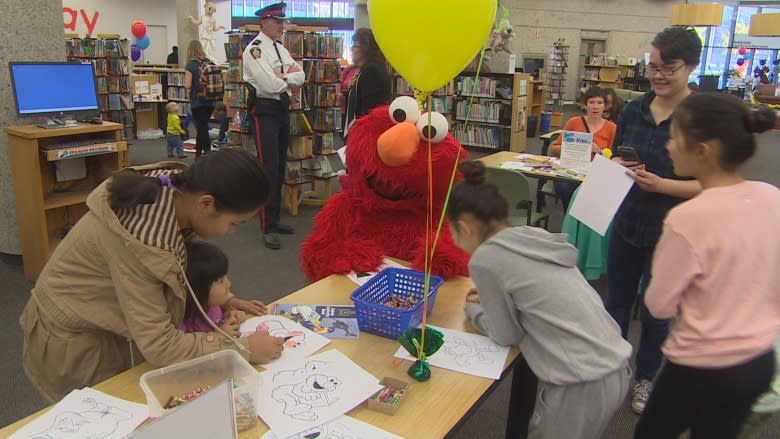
x=531, y=294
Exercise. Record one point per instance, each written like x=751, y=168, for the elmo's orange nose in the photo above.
x=397, y=145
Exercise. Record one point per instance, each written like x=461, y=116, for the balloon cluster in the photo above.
x=138, y=28
x=744, y=56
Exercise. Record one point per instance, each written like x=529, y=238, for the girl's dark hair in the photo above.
x=678, y=42
x=364, y=37
x=593, y=92
x=206, y=264
x=617, y=104
x=473, y=195
x=725, y=118
x=233, y=177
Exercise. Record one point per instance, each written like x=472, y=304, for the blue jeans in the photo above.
x=174, y=144
x=628, y=272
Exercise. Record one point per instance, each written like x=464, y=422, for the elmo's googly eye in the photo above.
x=404, y=109
x=436, y=131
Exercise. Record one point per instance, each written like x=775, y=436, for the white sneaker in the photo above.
x=639, y=396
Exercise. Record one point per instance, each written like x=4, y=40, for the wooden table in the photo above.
x=548, y=171
x=430, y=410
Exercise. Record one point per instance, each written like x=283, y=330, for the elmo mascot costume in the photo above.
x=381, y=208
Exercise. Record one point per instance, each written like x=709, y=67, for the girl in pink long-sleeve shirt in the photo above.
x=715, y=269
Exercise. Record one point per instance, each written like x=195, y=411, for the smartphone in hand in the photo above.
x=628, y=153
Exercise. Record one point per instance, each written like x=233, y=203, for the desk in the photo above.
x=551, y=171
x=438, y=404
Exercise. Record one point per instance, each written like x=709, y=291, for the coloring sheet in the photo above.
x=299, y=341
x=344, y=427
x=86, y=414
x=321, y=388
x=467, y=353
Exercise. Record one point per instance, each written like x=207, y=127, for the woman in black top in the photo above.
x=371, y=87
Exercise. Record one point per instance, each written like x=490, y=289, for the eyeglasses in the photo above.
x=652, y=69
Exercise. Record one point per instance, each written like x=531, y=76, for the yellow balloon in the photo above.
x=430, y=41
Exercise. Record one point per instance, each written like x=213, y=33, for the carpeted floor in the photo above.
x=257, y=272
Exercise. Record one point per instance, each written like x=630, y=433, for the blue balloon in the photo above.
x=143, y=43
x=135, y=52
x=740, y=61
x=747, y=55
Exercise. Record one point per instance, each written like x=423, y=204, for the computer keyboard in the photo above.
x=75, y=143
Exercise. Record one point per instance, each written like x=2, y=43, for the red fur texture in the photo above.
x=380, y=210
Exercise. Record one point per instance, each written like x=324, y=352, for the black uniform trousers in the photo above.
x=272, y=136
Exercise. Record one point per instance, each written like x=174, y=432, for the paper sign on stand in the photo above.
x=576, y=150
x=601, y=194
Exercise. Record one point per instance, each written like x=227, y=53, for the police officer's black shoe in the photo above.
x=271, y=240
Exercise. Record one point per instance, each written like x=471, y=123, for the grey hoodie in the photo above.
x=532, y=295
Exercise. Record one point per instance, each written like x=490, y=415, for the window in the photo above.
x=298, y=8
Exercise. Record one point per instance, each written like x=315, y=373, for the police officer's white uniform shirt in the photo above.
x=261, y=65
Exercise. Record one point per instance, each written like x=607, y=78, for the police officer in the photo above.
x=270, y=69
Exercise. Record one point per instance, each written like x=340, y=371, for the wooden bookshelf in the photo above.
x=490, y=111
x=109, y=54
x=315, y=118
x=50, y=207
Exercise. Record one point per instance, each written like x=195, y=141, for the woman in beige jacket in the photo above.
x=113, y=292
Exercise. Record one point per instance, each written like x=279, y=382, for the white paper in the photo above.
x=576, y=150
x=210, y=415
x=463, y=352
x=322, y=388
x=343, y=427
x=86, y=413
x=601, y=194
x=299, y=341
x=517, y=166
x=363, y=277
x=142, y=87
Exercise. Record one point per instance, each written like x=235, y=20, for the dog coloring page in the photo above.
x=315, y=391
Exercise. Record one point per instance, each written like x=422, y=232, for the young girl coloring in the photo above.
x=715, y=270
x=532, y=295
x=207, y=268
x=174, y=131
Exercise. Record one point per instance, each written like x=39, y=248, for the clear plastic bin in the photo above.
x=209, y=370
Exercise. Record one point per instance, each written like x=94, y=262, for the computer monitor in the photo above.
x=532, y=65
x=53, y=90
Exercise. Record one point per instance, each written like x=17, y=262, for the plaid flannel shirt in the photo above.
x=640, y=218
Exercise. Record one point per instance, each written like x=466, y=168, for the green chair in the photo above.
x=545, y=187
x=515, y=188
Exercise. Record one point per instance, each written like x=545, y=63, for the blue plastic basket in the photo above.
x=374, y=317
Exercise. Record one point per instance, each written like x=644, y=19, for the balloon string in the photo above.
x=428, y=248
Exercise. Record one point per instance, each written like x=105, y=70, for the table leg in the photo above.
x=522, y=400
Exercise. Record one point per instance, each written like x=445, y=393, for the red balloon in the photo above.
x=742, y=50
x=139, y=29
